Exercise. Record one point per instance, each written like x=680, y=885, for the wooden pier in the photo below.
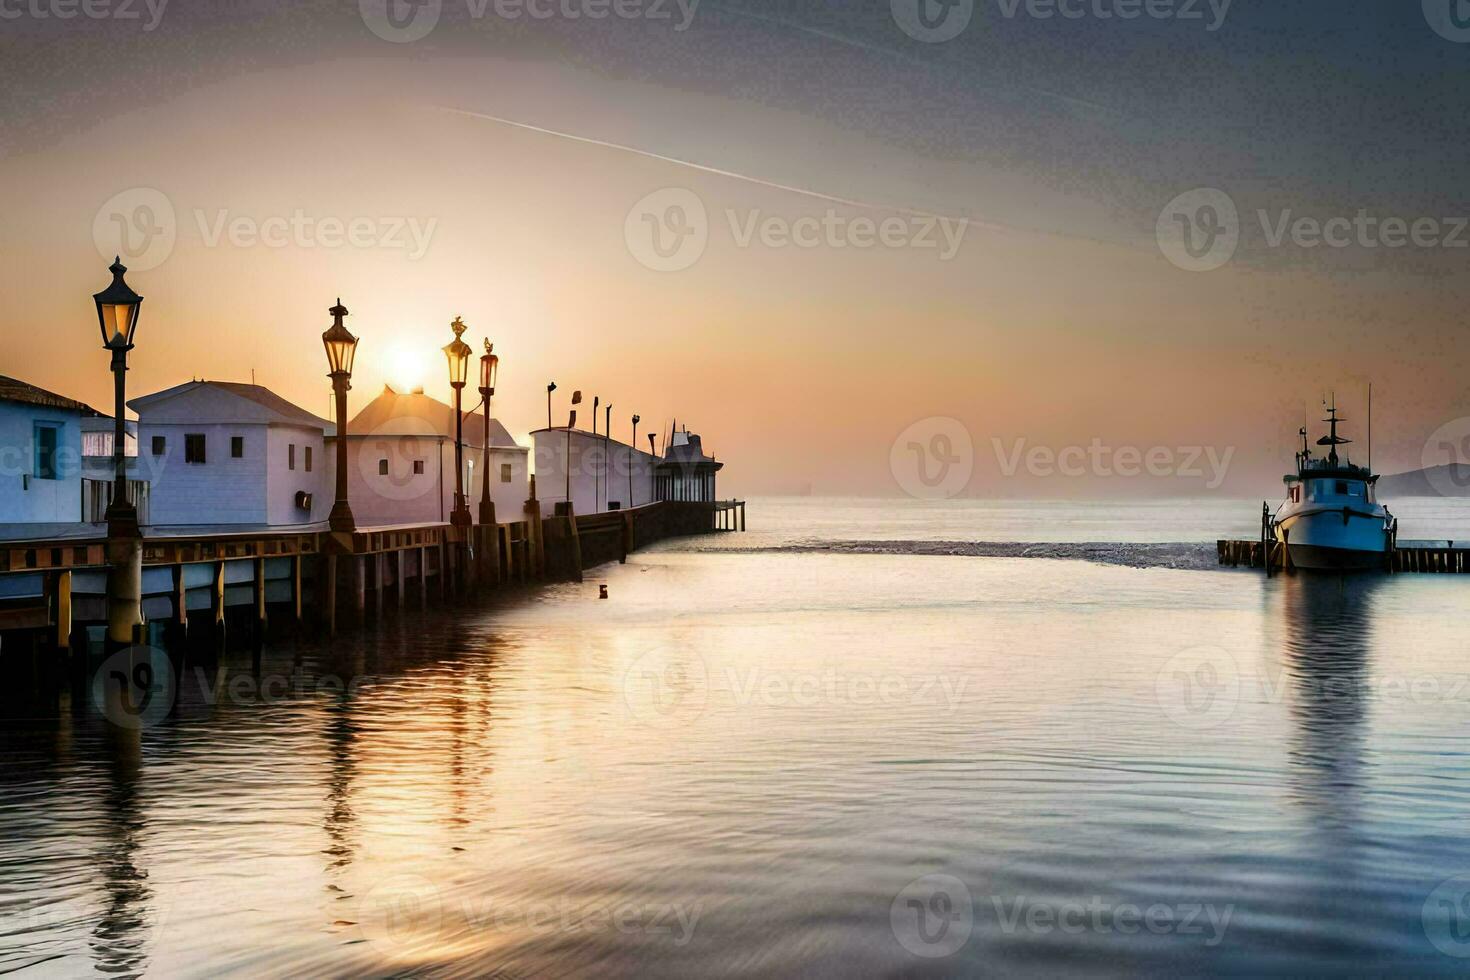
x=1406, y=556
x=201, y=587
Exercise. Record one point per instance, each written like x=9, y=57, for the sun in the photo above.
x=407, y=368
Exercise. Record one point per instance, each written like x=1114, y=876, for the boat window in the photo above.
x=1341, y=488
x=1355, y=489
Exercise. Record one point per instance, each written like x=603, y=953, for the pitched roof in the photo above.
x=276, y=409
x=395, y=412
x=15, y=390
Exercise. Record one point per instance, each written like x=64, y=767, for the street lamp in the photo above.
x=341, y=348
x=549, y=389
x=117, y=317
x=632, y=448
x=571, y=424
x=606, y=466
x=596, y=476
x=489, y=368
x=652, y=447
x=458, y=354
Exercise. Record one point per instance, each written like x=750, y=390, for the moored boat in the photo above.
x=1331, y=518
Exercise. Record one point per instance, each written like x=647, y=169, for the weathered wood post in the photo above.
x=537, y=546
x=61, y=612
x=400, y=586
x=423, y=577
x=259, y=597
x=327, y=591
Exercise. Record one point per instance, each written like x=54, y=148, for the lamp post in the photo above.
x=489, y=533
x=117, y=317
x=596, y=476
x=652, y=446
x=549, y=389
x=632, y=448
x=457, y=352
x=571, y=424
x=341, y=348
x=489, y=368
x=606, y=465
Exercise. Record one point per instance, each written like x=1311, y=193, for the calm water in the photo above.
x=763, y=762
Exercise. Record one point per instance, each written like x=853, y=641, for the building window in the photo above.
x=307, y=460
x=194, y=447
x=160, y=444
x=418, y=467
x=291, y=456
x=382, y=467
x=237, y=447
x=47, y=437
x=504, y=472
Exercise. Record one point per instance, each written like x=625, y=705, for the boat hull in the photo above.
x=1334, y=540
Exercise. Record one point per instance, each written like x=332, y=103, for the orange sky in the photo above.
x=799, y=366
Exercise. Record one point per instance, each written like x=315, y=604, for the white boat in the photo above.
x=1331, y=518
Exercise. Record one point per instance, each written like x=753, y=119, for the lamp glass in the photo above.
x=458, y=355
x=489, y=368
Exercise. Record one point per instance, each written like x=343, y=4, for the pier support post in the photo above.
x=400, y=581
x=61, y=612
x=537, y=547
x=489, y=531
x=423, y=577
x=259, y=596
x=327, y=591
x=124, y=591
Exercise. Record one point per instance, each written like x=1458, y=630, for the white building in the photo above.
x=605, y=474
x=400, y=462
x=40, y=454
x=227, y=453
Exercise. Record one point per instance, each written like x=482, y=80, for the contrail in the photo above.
x=704, y=168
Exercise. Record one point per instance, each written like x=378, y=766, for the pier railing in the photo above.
x=201, y=585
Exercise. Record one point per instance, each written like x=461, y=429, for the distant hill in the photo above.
x=1449, y=480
